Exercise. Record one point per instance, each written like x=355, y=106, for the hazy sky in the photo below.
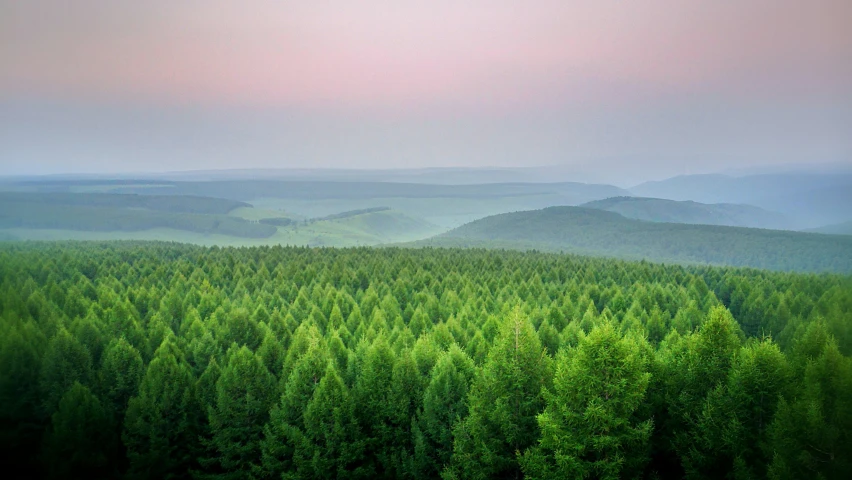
x=645, y=87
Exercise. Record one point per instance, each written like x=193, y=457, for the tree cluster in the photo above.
x=154, y=360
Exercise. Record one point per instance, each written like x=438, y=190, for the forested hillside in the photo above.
x=102, y=212
x=671, y=211
x=844, y=228
x=598, y=232
x=201, y=220
x=174, y=361
x=808, y=199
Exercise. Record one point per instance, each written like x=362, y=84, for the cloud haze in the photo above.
x=677, y=86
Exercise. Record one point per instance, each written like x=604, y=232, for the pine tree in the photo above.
x=79, y=439
x=284, y=429
x=811, y=434
x=65, y=361
x=161, y=424
x=331, y=445
x=589, y=427
x=503, y=404
x=695, y=367
x=120, y=374
x=377, y=411
x=731, y=433
x=244, y=392
x=21, y=417
x=444, y=405
x=121, y=371
x=272, y=354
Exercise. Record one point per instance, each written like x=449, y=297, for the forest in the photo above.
x=160, y=360
x=589, y=231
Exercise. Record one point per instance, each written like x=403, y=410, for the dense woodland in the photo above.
x=173, y=361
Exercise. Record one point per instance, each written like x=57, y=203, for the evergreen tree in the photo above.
x=377, y=412
x=20, y=409
x=121, y=371
x=503, y=404
x=162, y=422
x=435, y=376
x=331, y=445
x=78, y=441
x=244, y=392
x=65, y=361
x=589, y=427
x=731, y=433
x=695, y=367
x=271, y=354
x=284, y=429
x=811, y=434
x=444, y=405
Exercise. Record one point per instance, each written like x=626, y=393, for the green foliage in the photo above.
x=21, y=350
x=811, y=434
x=162, y=422
x=503, y=404
x=589, y=427
x=66, y=361
x=444, y=405
x=121, y=372
x=284, y=430
x=331, y=445
x=79, y=438
x=172, y=361
x=244, y=393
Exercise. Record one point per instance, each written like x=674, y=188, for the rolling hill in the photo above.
x=356, y=229
x=598, y=232
x=672, y=211
x=809, y=200
x=445, y=205
x=125, y=213
x=191, y=219
x=843, y=228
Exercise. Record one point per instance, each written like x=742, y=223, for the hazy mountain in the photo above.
x=673, y=211
x=434, y=176
x=808, y=200
x=445, y=205
x=599, y=232
x=843, y=228
x=247, y=190
x=202, y=220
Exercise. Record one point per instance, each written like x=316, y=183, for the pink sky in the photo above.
x=401, y=54
x=546, y=80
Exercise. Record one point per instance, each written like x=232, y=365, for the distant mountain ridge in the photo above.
x=844, y=228
x=687, y=211
x=603, y=233
x=808, y=200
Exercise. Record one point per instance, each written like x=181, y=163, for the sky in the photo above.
x=642, y=88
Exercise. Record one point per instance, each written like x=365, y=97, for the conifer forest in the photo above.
x=159, y=360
